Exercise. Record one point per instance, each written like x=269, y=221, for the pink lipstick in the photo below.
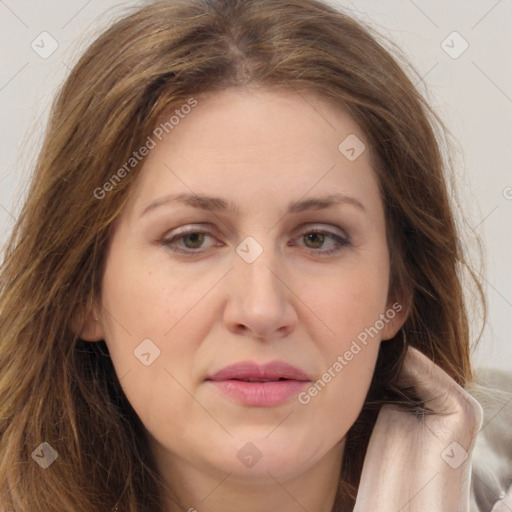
x=259, y=385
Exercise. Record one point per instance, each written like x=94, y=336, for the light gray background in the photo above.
x=472, y=93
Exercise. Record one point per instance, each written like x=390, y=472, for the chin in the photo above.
x=263, y=458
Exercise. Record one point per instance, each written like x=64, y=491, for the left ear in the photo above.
x=395, y=316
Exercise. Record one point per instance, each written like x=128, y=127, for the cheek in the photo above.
x=147, y=298
x=349, y=306
x=143, y=300
x=345, y=397
x=336, y=398
x=347, y=301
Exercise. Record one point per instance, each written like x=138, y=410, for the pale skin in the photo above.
x=207, y=307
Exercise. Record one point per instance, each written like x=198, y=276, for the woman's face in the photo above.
x=252, y=249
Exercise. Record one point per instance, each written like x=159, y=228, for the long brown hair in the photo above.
x=58, y=389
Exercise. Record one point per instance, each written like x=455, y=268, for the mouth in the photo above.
x=260, y=380
x=259, y=385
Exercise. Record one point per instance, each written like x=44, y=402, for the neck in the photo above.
x=197, y=490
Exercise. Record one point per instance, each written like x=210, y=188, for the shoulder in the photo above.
x=491, y=488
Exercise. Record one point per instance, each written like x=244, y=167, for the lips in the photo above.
x=249, y=371
x=259, y=385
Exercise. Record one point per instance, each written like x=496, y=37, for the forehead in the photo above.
x=283, y=120
x=261, y=140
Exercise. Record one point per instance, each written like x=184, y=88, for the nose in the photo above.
x=260, y=301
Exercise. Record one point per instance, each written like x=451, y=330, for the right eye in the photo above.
x=188, y=242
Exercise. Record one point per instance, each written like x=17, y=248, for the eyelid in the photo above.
x=190, y=228
x=319, y=228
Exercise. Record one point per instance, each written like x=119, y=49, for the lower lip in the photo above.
x=260, y=394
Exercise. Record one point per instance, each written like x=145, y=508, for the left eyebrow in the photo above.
x=319, y=203
x=212, y=203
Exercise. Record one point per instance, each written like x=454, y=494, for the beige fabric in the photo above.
x=424, y=463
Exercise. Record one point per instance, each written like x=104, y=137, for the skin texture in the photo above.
x=210, y=308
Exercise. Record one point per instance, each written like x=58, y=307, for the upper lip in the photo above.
x=250, y=370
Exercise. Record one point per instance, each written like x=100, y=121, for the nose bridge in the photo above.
x=258, y=299
x=257, y=266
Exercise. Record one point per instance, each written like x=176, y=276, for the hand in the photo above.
x=422, y=463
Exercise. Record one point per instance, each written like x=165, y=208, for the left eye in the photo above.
x=316, y=239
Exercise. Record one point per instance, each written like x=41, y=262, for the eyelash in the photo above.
x=340, y=241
